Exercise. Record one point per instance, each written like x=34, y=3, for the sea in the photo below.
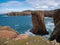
x=23, y=24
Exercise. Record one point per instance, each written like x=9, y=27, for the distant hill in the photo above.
x=28, y=12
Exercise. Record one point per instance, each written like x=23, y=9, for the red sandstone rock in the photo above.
x=38, y=23
x=7, y=32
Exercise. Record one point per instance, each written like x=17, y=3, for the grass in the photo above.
x=32, y=40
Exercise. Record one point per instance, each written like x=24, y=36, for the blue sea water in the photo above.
x=23, y=24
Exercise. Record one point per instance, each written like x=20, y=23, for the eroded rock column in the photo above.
x=38, y=23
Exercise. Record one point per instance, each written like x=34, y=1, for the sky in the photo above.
x=21, y=5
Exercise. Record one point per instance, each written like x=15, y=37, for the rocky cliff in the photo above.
x=56, y=33
x=38, y=19
x=56, y=16
x=38, y=23
x=28, y=12
x=23, y=13
x=49, y=13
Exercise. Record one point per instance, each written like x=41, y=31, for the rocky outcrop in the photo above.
x=7, y=32
x=38, y=23
x=48, y=13
x=56, y=33
x=28, y=12
x=56, y=16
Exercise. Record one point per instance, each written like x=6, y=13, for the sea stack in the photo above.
x=39, y=27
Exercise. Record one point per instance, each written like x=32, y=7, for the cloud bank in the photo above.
x=15, y=5
x=44, y=4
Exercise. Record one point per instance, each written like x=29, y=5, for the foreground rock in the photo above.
x=56, y=33
x=7, y=32
x=38, y=23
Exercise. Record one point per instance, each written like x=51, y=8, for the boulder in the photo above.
x=7, y=32
x=38, y=23
x=56, y=33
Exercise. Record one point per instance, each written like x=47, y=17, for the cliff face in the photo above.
x=38, y=23
x=49, y=13
x=23, y=13
x=28, y=12
x=56, y=16
x=56, y=33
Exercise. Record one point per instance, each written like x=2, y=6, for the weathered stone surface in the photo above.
x=38, y=23
x=56, y=16
x=48, y=13
x=56, y=33
x=7, y=32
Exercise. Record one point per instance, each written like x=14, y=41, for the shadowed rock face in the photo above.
x=56, y=33
x=38, y=23
x=56, y=16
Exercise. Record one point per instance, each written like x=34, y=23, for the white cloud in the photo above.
x=11, y=6
x=5, y=10
x=11, y=3
x=14, y=5
x=43, y=4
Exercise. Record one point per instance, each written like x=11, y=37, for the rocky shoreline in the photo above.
x=28, y=12
x=8, y=36
x=39, y=26
x=9, y=33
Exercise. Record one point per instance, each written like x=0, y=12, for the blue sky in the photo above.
x=20, y=5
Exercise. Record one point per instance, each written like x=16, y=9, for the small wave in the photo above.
x=49, y=23
x=17, y=25
x=48, y=17
x=29, y=33
x=4, y=16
